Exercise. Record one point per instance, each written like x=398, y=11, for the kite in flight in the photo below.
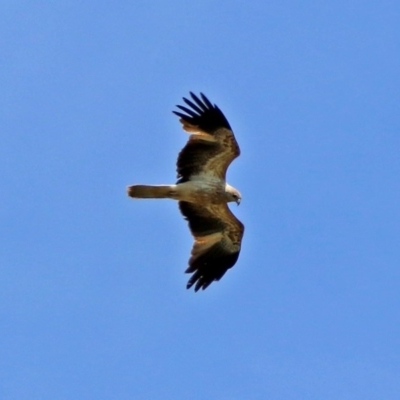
x=202, y=191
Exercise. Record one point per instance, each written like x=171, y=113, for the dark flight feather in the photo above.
x=206, y=116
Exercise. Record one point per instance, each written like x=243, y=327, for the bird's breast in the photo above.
x=202, y=191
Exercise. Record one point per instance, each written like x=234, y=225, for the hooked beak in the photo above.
x=238, y=201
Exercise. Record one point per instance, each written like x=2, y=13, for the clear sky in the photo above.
x=93, y=302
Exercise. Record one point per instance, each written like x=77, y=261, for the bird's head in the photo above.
x=233, y=194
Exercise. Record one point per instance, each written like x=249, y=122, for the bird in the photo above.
x=202, y=191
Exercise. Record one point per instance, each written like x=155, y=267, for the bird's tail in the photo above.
x=150, y=191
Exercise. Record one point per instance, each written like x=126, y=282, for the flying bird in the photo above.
x=202, y=191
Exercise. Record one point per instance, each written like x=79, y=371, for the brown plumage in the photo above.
x=202, y=191
x=218, y=235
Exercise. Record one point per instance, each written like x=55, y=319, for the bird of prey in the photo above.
x=202, y=191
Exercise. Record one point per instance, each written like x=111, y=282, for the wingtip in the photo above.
x=203, y=113
x=206, y=101
x=198, y=281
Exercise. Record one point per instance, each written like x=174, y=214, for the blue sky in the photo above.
x=93, y=302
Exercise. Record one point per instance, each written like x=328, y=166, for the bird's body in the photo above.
x=202, y=191
x=194, y=191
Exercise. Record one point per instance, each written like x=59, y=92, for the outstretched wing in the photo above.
x=217, y=240
x=211, y=146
